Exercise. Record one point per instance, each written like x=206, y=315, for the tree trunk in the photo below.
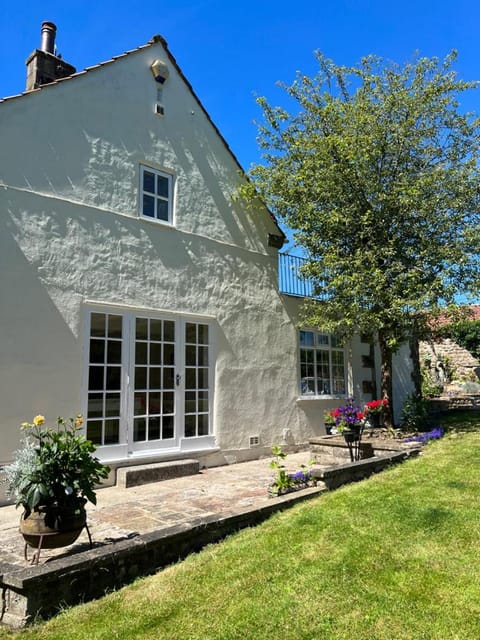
x=386, y=386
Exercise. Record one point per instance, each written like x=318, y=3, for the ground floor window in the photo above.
x=148, y=379
x=322, y=364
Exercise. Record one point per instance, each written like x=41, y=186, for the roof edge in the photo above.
x=156, y=39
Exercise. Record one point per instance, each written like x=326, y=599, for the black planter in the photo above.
x=352, y=437
x=375, y=420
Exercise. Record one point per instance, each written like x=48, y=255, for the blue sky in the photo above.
x=231, y=50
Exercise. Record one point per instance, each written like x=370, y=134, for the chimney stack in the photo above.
x=43, y=66
x=49, y=31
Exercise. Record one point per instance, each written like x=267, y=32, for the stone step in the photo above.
x=156, y=472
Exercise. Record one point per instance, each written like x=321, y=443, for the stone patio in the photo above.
x=136, y=531
x=126, y=513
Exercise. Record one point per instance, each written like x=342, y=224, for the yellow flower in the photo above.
x=38, y=420
x=78, y=421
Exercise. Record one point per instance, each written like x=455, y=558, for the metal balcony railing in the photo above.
x=290, y=280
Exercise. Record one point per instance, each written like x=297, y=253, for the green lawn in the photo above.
x=395, y=556
x=461, y=420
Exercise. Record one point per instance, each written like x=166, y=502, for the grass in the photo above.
x=395, y=556
x=460, y=420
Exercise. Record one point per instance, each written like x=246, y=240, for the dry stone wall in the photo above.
x=440, y=356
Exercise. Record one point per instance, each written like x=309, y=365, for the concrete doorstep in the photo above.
x=143, y=474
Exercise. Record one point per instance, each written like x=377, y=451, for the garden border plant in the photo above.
x=341, y=552
x=55, y=466
x=285, y=481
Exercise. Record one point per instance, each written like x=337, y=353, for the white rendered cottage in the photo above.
x=134, y=289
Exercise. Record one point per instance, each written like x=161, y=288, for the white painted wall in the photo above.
x=70, y=233
x=312, y=410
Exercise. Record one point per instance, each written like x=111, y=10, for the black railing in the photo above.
x=290, y=280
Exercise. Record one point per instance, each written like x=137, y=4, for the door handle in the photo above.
x=178, y=377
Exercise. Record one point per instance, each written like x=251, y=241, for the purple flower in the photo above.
x=348, y=415
x=300, y=477
x=423, y=438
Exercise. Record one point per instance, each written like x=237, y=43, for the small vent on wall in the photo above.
x=254, y=441
x=159, y=109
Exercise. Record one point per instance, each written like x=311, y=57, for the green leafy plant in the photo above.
x=375, y=168
x=56, y=466
x=449, y=369
x=329, y=417
x=430, y=388
x=415, y=413
x=330, y=422
x=284, y=480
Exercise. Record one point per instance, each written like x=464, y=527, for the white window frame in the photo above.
x=157, y=198
x=327, y=344
x=126, y=448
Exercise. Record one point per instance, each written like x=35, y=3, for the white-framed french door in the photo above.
x=149, y=382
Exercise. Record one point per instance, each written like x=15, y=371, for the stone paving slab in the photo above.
x=122, y=514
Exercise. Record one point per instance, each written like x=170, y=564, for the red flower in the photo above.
x=376, y=406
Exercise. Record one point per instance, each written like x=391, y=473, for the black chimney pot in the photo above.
x=43, y=65
x=49, y=31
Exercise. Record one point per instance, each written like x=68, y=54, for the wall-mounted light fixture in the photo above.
x=160, y=71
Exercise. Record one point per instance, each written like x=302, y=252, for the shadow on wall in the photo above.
x=240, y=224
x=40, y=356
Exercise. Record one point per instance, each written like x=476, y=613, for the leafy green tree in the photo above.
x=376, y=171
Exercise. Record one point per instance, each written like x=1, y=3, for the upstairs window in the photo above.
x=322, y=364
x=156, y=195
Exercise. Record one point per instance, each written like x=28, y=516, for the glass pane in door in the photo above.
x=104, y=378
x=197, y=380
x=153, y=406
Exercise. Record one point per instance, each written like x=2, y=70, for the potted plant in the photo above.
x=349, y=421
x=52, y=478
x=374, y=412
x=330, y=420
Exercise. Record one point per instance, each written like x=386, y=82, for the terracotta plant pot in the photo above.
x=52, y=527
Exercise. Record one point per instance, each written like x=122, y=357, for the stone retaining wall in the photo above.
x=443, y=404
x=335, y=477
x=464, y=365
x=333, y=450
x=40, y=591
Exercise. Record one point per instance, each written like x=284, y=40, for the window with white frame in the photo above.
x=148, y=379
x=156, y=195
x=322, y=364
